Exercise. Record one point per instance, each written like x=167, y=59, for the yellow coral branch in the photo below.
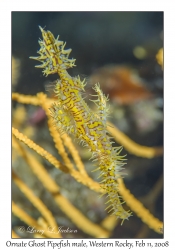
x=133, y=147
x=39, y=150
x=139, y=209
x=28, y=99
x=68, y=143
x=79, y=219
x=110, y=222
x=28, y=219
x=36, y=202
